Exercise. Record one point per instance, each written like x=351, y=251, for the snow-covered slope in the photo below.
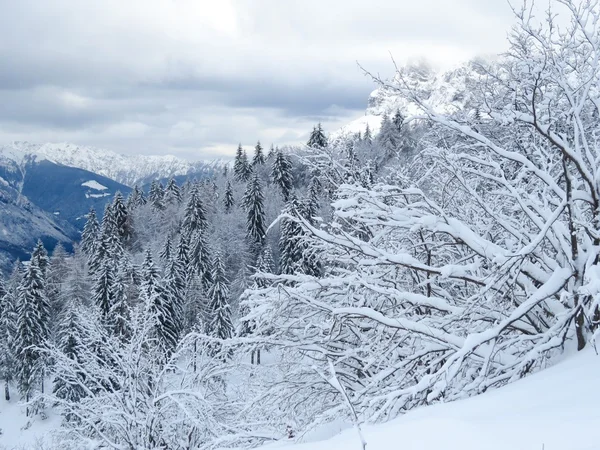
x=556, y=409
x=128, y=170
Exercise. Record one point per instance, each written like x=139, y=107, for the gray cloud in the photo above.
x=195, y=77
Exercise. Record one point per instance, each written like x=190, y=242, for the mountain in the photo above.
x=446, y=91
x=124, y=169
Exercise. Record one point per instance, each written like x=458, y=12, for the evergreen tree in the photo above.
x=157, y=195
x=33, y=317
x=253, y=202
x=67, y=386
x=398, y=120
x=228, y=199
x=182, y=252
x=241, y=166
x=317, y=138
x=173, y=193
x=388, y=137
x=281, y=173
x=259, y=156
x=103, y=291
x=175, y=295
x=265, y=264
x=122, y=220
x=166, y=253
x=272, y=152
x=194, y=219
x=290, y=251
x=120, y=312
x=136, y=198
x=90, y=234
x=368, y=136
x=200, y=258
x=220, y=325
x=41, y=255
x=8, y=329
x=58, y=271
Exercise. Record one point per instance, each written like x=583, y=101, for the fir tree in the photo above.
x=41, y=255
x=8, y=330
x=90, y=234
x=157, y=195
x=272, y=152
x=67, y=386
x=173, y=193
x=368, y=136
x=228, y=199
x=175, y=295
x=200, y=258
x=103, y=291
x=166, y=253
x=259, y=156
x=253, y=202
x=182, y=252
x=120, y=312
x=194, y=219
x=281, y=173
x=388, y=137
x=265, y=264
x=317, y=138
x=122, y=221
x=220, y=325
x=58, y=271
x=398, y=120
x=136, y=198
x=290, y=251
x=33, y=317
x=241, y=166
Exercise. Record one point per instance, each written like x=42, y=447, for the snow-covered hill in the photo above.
x=556, y=409
x=128, y=170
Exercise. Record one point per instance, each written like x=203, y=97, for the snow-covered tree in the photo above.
x=90, y=234
x=228, y=199
x=317, y=138
x=220, y=324
x=8, y=329
x=259, y=156
x=281, y=173
x=253, y=202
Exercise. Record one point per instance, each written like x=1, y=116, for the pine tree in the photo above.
x=272, y=152
x=317, y=138
x=281, y=173
x=290, y=250
x=103, y=291
x=253, y=202
x=173, y=193
x=8, y=330
x=166, y=253
x=157, y=195
x=368, y=136
x=120, y=312
x=71, y=334
x=122, y=220
x=228, y=199
x=259, y=156
x=220, y=325
x=136, y=198
x=194, y=219
x=41, y=255
x=241, y=166
x=33, y=317
x=166, y=327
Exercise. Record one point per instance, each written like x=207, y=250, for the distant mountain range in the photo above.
x=46, y=189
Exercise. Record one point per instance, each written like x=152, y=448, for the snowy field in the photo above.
x=556, y=409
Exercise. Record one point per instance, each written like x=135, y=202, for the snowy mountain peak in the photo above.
x=125, y=169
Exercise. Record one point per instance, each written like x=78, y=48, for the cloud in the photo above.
x=195, y=77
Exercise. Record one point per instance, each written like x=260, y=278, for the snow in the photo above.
x=555, y=409
x=93, y=184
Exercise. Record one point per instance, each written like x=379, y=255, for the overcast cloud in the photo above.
x=193, y=77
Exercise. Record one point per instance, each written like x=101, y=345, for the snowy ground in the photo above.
x=556, y=409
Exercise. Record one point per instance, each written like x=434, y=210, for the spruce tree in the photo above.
x=228, y=199
x=220, y=325
x=200, y=259
x=71, y=335
x=388, y=138
x=317, y=138
x=272, y=152
x=41, y=255
x=290, y=250
x=398, y=120
x=166, y=252
x=368, y=136
x=253, y=202
x=174, y=283
x=182, y=252
x=122, y=220
x=120, y=312
x=281, y=173
x=90, y=234
x=8, y=329
x=194, y=219
x=136, y=198
x=33, y=317
x=156, y=195
x=103, y=291
x=58, y=271
x=265, y=264
x=259, y=156
x=173, y=193
x=238, y=164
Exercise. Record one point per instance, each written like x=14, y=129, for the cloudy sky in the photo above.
x=194, y=77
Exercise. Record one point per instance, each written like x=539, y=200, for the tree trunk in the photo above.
x=6, y=392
